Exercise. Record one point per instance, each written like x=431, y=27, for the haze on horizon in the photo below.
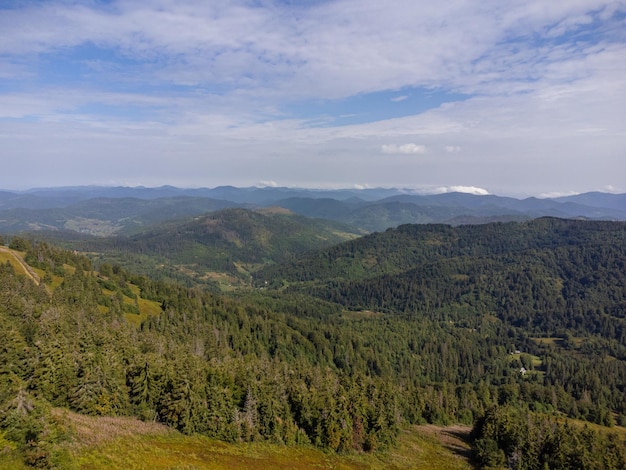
x=519, y=97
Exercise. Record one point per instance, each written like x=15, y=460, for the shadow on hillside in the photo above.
x=455, y=438
x=458, y=441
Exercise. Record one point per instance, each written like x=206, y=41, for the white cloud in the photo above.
x=396, y=99
x=609, y=188
x=406, y=149
x=331, y=49
x=556, y=194
x=462, y=189
x=543, y=109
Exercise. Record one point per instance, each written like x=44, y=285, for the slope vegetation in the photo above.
x=514, y=328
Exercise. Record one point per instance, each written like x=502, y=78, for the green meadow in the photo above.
x=114, y=442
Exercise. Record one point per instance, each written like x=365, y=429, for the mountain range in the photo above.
x=105, y=211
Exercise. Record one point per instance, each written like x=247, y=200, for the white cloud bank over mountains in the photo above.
x=462, y=189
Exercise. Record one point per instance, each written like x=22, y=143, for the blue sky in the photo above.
x=523, y=97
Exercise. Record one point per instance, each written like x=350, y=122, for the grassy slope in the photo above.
x=17, y=261
x=16, y=258
x=103, y=443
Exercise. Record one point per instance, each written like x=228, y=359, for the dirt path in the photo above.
x=27, y=269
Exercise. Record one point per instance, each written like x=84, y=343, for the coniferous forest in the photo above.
x=517, y=329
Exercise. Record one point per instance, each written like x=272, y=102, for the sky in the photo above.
x=516, y=97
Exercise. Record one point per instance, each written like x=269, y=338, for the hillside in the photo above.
x=544, y=276
x=548, y=278
x=226, y=245
x=411, y=246
x=131, y=444
x=507, y=327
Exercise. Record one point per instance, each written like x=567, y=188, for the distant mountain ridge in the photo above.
x=105, y=211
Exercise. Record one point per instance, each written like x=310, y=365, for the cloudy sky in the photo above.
x=516, y=97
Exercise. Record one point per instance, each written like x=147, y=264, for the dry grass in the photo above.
x=92, y=431
x=6, y=255
x=619, y=430
x=149, y=307
x=17, y=261
x=431, y=447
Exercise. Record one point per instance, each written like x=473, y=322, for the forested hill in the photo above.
x=518, y=328
x=233, y=241
x=411, y=246
x=546, y=276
